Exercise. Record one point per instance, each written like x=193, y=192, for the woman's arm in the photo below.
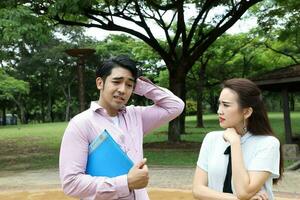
x=246, y=183
x=202, y=191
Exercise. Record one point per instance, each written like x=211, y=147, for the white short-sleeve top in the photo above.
x=260, y=153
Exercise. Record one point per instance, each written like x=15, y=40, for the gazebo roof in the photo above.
x=287, y=77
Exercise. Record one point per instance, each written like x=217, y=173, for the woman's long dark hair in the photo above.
x=249, y=95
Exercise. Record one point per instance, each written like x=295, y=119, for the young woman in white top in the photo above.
x=256, y=160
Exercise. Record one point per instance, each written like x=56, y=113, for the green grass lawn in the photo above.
x=32, y=146
x=36, y=146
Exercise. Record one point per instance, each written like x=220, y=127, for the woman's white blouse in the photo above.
x=260, y=153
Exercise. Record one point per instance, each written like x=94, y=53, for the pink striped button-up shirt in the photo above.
x=134, y=123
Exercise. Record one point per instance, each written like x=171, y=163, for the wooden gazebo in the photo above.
x=285, y=80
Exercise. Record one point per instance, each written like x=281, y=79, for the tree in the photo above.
x=213, y=67
x=31, y=51
x=280, y=26
x=11, y=90
x=179, y=52
x=21, y=30
x=284, y=42
x=148, y=60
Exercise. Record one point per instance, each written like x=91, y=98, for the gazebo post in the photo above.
x=287, y=118
x=284, y=80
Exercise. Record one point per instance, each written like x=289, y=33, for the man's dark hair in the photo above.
x=119, y=61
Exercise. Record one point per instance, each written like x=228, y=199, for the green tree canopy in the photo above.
x=11, y=87
x=279, y=22
x=185, y=38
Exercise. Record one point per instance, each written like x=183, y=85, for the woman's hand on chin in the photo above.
x=230, y=135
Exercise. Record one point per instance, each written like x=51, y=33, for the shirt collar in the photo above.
x=96, y=107
x=245, y=137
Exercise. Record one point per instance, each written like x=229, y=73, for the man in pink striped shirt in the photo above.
x=116, y=80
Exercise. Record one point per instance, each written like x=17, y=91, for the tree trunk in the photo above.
x=200, y=88
x=177, y=86
x=213, y=101
x=49, y=111
x=68, y=98
x=67, y=116
x=23, y=118
x=23, y=114
x=3, y=116
x=42, y=117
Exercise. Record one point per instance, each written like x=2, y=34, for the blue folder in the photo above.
x=106, y=158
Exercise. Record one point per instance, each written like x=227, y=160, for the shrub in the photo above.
x=191, y=107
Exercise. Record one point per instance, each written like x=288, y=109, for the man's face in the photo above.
x=116, y=90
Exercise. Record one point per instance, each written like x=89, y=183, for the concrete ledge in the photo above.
x=291, y=151
x=154, y=193
x=295, y=165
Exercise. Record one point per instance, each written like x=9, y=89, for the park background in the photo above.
x=43, y=85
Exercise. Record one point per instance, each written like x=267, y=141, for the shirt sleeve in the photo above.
x=72, y=165
x=267, y=157
x=204, y=153
x=167, y=106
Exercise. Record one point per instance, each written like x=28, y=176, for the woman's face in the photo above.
x=229, y=111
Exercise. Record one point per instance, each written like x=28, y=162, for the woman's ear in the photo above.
x=248, y=112
x=99, y=83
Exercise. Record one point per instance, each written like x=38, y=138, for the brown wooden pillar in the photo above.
x=287, y=118
x=81, y=84
x=81, y=54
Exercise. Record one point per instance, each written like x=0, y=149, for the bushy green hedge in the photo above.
x=191, y=107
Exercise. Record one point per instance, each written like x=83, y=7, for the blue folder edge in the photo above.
x=106, y=158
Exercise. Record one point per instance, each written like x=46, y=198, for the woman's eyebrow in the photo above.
x=224, y=101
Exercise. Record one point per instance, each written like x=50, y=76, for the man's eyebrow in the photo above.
x=121, y=78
